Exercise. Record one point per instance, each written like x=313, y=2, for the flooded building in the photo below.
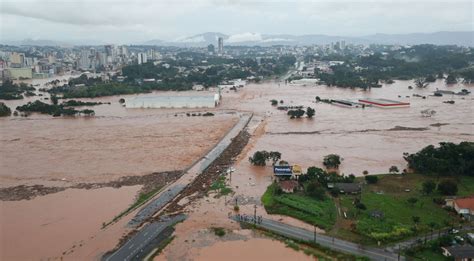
x=208, y=101
x=384, y=103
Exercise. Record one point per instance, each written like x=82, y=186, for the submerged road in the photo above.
x=326, y=241
x=133, y=249
x=142, y=242
x=167, y=195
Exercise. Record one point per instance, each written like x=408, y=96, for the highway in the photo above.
x=323, y=240
x=139, y=244
x=134, y=247
x=167, y=195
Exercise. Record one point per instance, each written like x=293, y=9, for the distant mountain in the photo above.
x=250, y=39
x=255, y=39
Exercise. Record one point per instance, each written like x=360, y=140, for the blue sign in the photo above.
x=282, y=170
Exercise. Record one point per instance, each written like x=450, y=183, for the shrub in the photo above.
x=219, y=231
x=448, y=188
x=371, y=179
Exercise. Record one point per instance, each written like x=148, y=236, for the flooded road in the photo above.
x=121, y=142
x=367, y=139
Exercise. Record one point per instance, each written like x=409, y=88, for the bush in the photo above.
x=219, y=231
x=429, y=186
x=4, y=110
x=274, y=102
x=371, y=179
x=315, y=190
x=448, y=188
x=360, y=206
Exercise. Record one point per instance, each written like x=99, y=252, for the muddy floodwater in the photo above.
x=120, y=142
x=253, y=249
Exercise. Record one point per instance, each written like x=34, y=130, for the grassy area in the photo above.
x=142, y=199
x=390, y=196
x=220, y=187
x=321, y=213
x=311, y=249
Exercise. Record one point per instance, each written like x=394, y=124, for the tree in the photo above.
x=448, y=188
x=259, y=158
x=275, y=156
x=54, y=99
x=365, y=172
x=451, y=79
x=421, y=83
x=393, y=169
x=4, y=110
x=314, y=172
x=371, y=179
x=332, y=161
x=416, y=220
x=274, y=102
x=310, y=112
x=412, y=201
x=429, y=186
x=296, y=113
x=315, y=190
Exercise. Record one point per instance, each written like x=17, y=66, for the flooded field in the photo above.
x=48, y=226
x=121, y=142
x=367, y=139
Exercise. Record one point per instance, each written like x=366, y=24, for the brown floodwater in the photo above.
x=252, y=249
x=360, y=136
x=47, y=226
x=119, y=141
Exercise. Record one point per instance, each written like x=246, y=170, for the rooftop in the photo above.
x=465, y=202
x=465, y=251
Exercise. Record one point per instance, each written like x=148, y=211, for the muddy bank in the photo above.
x=396, y=128
x=199, y=187
x=149, y=182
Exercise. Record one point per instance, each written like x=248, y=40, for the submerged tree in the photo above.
x=421, y=83
x=310, y=112
x=332, y=161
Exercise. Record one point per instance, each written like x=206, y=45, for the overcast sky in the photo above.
x=132, y=21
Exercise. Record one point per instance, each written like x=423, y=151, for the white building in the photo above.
x=142, y=58
x=209, y=101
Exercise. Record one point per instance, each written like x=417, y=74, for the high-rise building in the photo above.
x=220, y=44
x=210, y=48
x=343, y=44
x=142, y=58
x=109, y=53
x=84, y=60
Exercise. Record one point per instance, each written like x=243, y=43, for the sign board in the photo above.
x=282, y=170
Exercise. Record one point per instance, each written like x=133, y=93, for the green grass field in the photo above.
x=321, y=213
x=390, y=196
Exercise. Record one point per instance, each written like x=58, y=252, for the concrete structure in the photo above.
x=142, y=58
x=384, y=103
x=220, y=43
x=19, y=73
x=209, y=101
x=288, y=186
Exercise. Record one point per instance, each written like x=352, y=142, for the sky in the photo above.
x=135, y=21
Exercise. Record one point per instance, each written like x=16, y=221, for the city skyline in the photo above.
x=137, y=21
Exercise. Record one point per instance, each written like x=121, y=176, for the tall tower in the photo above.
x=220, y=43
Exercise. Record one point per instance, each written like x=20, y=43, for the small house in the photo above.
x=348, y=188
x=288, y=186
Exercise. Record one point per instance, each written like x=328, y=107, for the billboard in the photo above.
x=282, y=170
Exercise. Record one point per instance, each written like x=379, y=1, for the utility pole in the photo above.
x=399, y=250
x=315, y=234
x=255, y=214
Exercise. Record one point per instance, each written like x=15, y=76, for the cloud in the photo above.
x=136, y=20
x=244, y=37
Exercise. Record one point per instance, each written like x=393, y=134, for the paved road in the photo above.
x=330, y=242
x=430, y=236
x=156, y=204
x=174, y=190
x=135, y=246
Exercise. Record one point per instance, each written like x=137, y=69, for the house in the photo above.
x=464, y=205
x=348, y=188
x=288, y=186
x=459, y=253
